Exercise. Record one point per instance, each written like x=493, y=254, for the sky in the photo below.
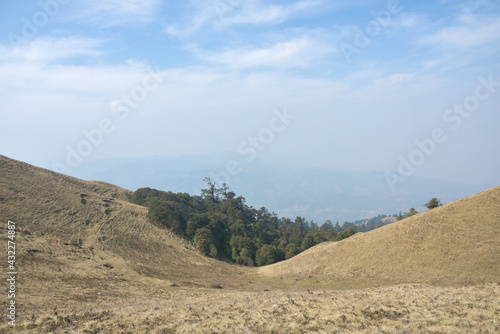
x=410, y=88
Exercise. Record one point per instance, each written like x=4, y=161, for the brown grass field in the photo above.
x=89, y=261
x=455, y=243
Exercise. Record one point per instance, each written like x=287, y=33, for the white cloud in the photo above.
x=408, y=21
x=114, y=12
x=254, y=13
x=472, y=32
x=295, y=52
x=431, y=63
x=394, y=79
x=225, y=13
x=47, y=49
x=87, y=81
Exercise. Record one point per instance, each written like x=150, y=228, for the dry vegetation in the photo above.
x=68, y=227
x=398, y=309
x=91, y=262
x=454, y=243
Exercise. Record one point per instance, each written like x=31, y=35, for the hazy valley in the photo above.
x=92, y=262
x=240, y=167
x=318, y=194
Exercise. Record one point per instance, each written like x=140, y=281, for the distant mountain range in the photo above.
x=317, y=194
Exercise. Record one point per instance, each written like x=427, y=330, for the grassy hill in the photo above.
x=454, y=243
x=88, y=233
x=89, y=261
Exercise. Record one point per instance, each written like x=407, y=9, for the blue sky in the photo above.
x=371, y=85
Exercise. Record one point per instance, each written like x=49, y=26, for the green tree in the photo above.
x=213, y=251
x=266, y=227
x=221, y=225
x=328, y=225
x=308, y=241
x=298, y=231
x=226, y=193
x=346, y=234
x=291, y=250
x=210, y=194
x=196, y=221
x=246, y=257
x=433, y=203
x=205, y=243
x=243, y=249
x=267, y=254
x=167, y=213
x=321, y=236
x=412, y=212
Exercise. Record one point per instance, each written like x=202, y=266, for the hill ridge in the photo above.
x=70, y=227
x=458, y=243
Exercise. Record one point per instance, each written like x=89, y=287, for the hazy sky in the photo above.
x=411, y=87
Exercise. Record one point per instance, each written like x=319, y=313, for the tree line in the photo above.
x=432, y=204
x=221, y=225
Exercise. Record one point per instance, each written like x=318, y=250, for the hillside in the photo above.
x=88, y=234
x=454, y=243
x=89, y=261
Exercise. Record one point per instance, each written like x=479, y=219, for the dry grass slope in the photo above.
x=455, y=243
x=71, y=231
x=89, y=261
